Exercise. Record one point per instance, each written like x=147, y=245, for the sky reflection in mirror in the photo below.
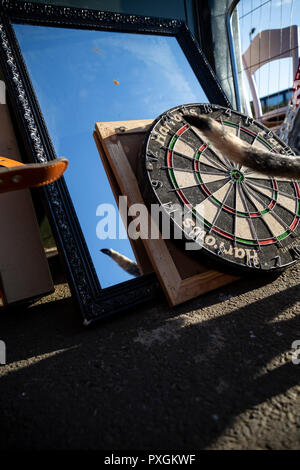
x=81, y=77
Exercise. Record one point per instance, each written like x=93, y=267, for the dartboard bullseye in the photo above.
x=241, y=218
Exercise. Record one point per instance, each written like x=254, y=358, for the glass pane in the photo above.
x=277, y=75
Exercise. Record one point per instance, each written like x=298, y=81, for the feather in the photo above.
x=238, y=151
x=125, y=263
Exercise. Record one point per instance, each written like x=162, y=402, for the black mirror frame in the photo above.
x=95, y=303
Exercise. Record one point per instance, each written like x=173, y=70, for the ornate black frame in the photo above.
x=94, y=302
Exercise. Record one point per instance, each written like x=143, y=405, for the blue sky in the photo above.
x=73, y=74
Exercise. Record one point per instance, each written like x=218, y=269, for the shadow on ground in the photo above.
x=213, y=373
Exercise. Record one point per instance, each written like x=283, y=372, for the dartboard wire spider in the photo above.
x=283, y=223
x=239, y=151
x=249, y=219
x=231, y=183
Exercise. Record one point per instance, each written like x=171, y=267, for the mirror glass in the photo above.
x=81, y=77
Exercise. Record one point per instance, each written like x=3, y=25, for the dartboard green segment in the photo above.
x=240, y=218
x=237, y=176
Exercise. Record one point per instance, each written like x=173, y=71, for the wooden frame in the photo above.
x=94, y=302
x=180, y=276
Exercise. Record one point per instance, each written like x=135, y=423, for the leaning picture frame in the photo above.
x=94, y=301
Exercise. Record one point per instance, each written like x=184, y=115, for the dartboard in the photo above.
x=231, y=214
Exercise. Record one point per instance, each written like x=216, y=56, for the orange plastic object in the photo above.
x=15, y=175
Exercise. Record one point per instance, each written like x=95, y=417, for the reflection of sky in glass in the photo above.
x=74, y=74
x=261, y=15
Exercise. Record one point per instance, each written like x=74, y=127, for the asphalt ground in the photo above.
x=213, y=373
